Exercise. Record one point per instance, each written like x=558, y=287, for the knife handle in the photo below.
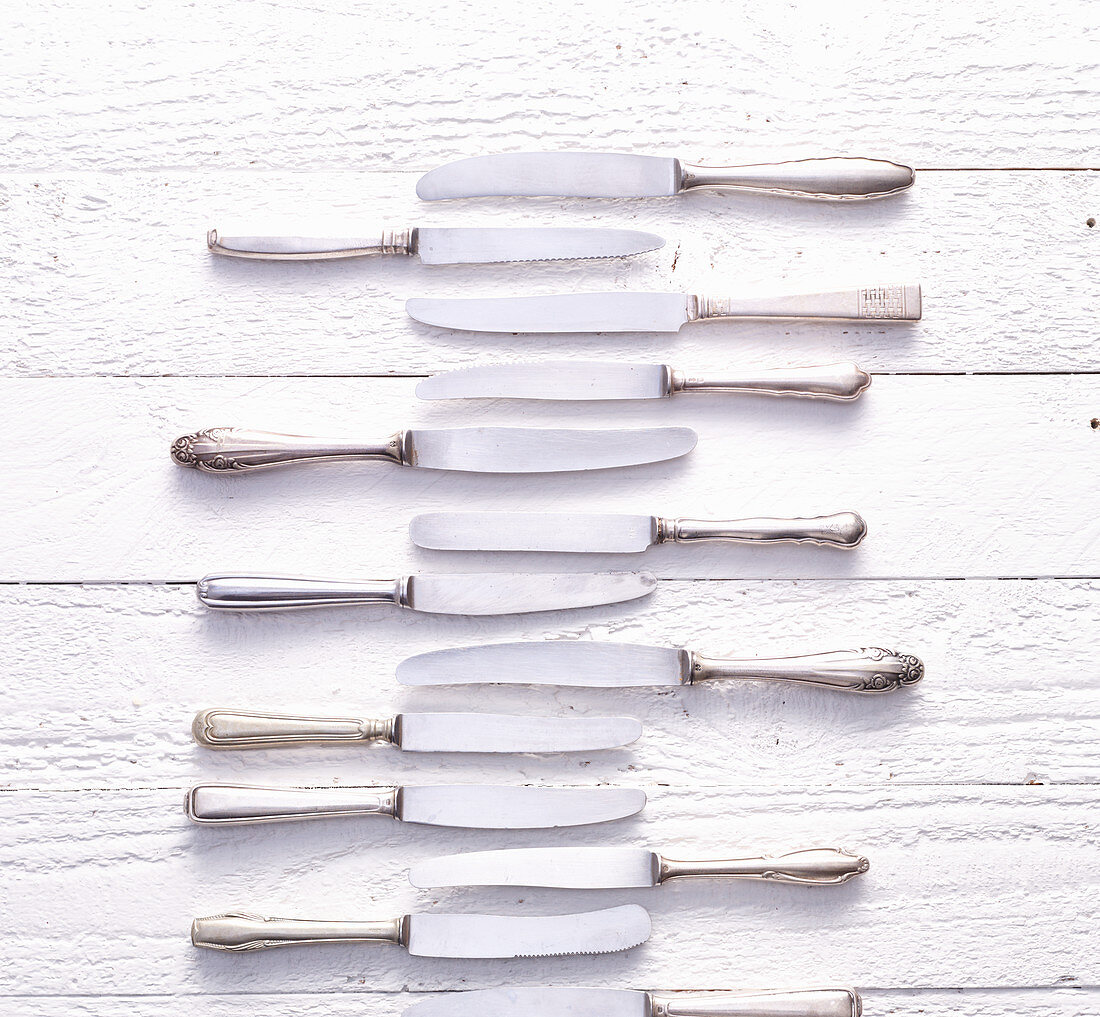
x=882, y=303
x=282, y=593
x=243, y=729
x=867, y=670
x=237, y=449
x=311, y=248
x=805, y=178
x=768, y=1003
x=229, y=804
x=827, y=381
x=810, y=867
x=842, y=529
x=237, y=931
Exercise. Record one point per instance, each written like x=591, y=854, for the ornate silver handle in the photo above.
x=805, y=178
x=843, y=529
x=311, y=248
x=283, y=593
x=243, y=729
x=227, y=804
x=236, y=449
x=769, y=1003
x=812, y=867
x=239, y=930
x=883, y=303
x=868, y=670
x=828, y=381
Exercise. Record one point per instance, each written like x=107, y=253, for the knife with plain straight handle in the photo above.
x=582, y=662
x=656, y=312
x=471, y=806
x=467, y=449
x=435, y=935
x=415, y=732
x=588, y=380
x=538, y=1001
x=467, y=593
x=609, y=868
x=612, y=533
x=609, y=175
x=446, y=246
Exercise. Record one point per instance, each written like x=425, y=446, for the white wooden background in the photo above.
x=129, y=129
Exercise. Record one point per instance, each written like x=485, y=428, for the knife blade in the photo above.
x=656, y=312
x=415, y=732
x=614, y=533
x=445, y=246
x=435, y=935
x=471, y=806
x=607, y=868
x=610, y=175
x=623, y=665
x=468, y=449
x=474, y=594
x=586, y=380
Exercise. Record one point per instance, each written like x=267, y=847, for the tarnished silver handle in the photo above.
x=805, y=178
x=812, y=867
x=237, y=449
x=239, y=931
x=872, y=669
x=881, y=303
x=827, y=381
x=842, y=529
x=244, y=729
x=229, y=804
x=284, y=593
x=312, y=248
x=767, y=1003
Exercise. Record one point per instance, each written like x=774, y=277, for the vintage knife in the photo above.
x=473, y=593
x=434, y=935
x=607, y=868
x=656, y=312
x=469, y=449
x=446, y=246
x=608, y=175
x=624, y=665
x=538, y=1001
x=479, y=807
x=415, y=732
x=612, y=533
x=586, y=380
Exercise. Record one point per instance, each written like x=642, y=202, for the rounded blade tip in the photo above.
x=683, y=438
x=632, y=799
x=625, y=730
x=427, y=189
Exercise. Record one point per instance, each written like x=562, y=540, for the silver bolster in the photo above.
x=228, y=804
x=811, y=867
x=872, y=669
x=883, y=303
x=237, y=449
x=238, y=931
x=282, y=593
x=312, y=248
x=827, y=381
x=244, y=729
x=805, y=178
x=766, y=1003
x=842, y=529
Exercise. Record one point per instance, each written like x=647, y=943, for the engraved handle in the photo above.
x=311, y=248
x=236, y=449
x=805, y=178
x=812, y=867
x=827, y=381
x=228, y=804
x=882, y=303
x=868, y=670
x=238, y=931
x=843, y=529
x=769, y=1003
x=284, y=593
x=242, y=729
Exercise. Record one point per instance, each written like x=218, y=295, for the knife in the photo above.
x=469, y=449
x=433, y=935
x=608, y=868
x=473, y=593
x=481, y=807
x=446, y=246
x=614, y=533
x=524, y=1001
x=415, y=732
x=586, y=380
x=608, y=175
x=624, y=665
x=656, y=312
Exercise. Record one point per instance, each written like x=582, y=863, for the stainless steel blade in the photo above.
x=573, y=380
x=590, y=532
x=579, y=868
x=535, y=1001
x=490, y=732
x=560, y=312
x=483, y=246
x=493, y=807
x=543, y=450
x=563, y=174
x=556, y=662
x=507, y=593
x=607, y=931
